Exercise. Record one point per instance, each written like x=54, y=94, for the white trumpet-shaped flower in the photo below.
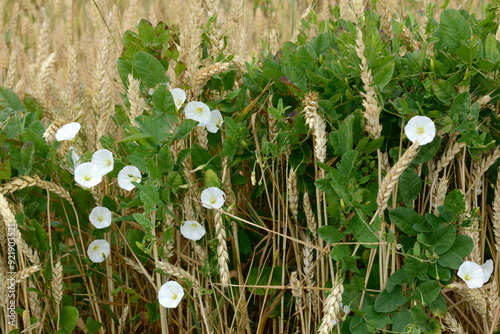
x=198, y=111
x=216, y=121
x=179, y=96
x=421, y=129
x=103, y=159
x=475, y=275
x=128, y=175
x=100, y=217
x=68, y=131
x=170, y=294
x=87, y=175
x=98, y=250
x=192, y=230
x=213, y=198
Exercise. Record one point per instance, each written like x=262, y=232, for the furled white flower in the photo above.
x=213, y=198
x=74, y=157
x=346, y=310
x=87, y=175
x=472, y=274
x=103, y=159
x=179, y=96
x=487, y=270
x=68, y=131
x=421, y=129
x=198, y=111
x=170, y=294
x=151, y=91
x=192, y=230
x=98, y=250
x=216, y=121
x=100, y=217
x=128, y=175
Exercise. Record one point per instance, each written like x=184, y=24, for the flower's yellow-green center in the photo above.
x=466, y=278
x=420, y=130
x=133, y=178
x=96, y=248
x=213, y=200
x=218, y=123
x=109, y=163
x=99, y=219
x=174, y=297
x=193, y=225
x=199, y=110
x=87, y=178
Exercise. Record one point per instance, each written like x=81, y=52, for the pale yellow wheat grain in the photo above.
x=440, y=195
x=26, y=272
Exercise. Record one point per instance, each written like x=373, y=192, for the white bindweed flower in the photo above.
x=68, y=131
x=198, y=111
x=151, y=91
x=421, y=129
x=128, y=175
x=192, y=230
x=472, y=274
x=103, y=159
x=216, y=121
x=74, y=157
x=100, y=217
x=179, y=96
x=87, y=175
x=213, y=198
x=170, y=294
x=487, y=270
x=98, y=250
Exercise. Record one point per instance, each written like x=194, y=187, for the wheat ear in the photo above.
x=389, y=182
x=452, y=324
x=57, y=283
x=331, y=308
x=31, y=181
x=293, y=193
x=222, y=255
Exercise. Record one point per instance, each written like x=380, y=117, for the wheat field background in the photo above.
x=63, y=54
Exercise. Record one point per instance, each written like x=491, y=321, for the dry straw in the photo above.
x=496, y=214
x=390, y=180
